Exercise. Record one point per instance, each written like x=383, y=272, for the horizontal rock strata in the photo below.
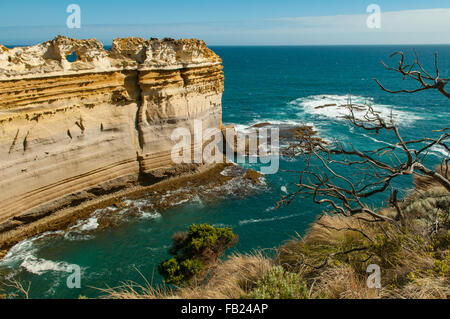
x=73, y=128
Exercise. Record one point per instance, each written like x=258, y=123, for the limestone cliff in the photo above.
x=71, y=130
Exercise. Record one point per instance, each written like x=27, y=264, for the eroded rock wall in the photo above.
x=72, y=130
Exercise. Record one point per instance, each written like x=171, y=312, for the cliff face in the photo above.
x=72, y=130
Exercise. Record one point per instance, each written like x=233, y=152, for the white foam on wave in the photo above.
x=269, y=209
x=81, y=230
x=181, y=202
x=378, y=141
x=90, y=224
x=439, y=151
x=436, y=150
x=262, y=220
x=237, y=184
x=23, y=255
x=164, y=247
x=75, y=236
x=197, y=201
x=25, y=247
x=150, y=215
x=39, y=266
x=220, y=225
x=86, y=225
x=18, y=252
x=142, y=205
x=336, y=108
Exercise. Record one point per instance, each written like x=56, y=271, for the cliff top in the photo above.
x=50, y=58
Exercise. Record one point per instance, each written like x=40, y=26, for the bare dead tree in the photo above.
x=417, y=72
x=328, y=179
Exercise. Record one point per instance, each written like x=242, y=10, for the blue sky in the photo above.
x=230, y=22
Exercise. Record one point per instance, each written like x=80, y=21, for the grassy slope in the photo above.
x=414, y=259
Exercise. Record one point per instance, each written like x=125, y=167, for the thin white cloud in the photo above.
x=429, y=26
x=428, y=20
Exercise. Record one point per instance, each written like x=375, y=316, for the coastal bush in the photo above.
x=205, y=238
x=194, y=252
x=178, y=272
x=280, y=284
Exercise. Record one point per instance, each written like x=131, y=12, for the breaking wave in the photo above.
x=23, y=255
x=439, y=151
x=86, y=225
x=334, y=106
x=38, y=266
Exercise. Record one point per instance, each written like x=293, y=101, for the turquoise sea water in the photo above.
x=281, y=85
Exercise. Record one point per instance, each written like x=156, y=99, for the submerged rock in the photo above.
x=222, y=182
x=253, y=176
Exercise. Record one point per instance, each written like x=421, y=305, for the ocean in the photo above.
x=280, y=85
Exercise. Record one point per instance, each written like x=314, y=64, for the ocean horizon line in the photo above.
x=10, y=46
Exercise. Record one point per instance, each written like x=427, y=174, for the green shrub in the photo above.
x=191, y=267
x=178, y=272
x=171, y=271
x=194, y=251
x=441, y=267
x=280, y=284
x=201, y=238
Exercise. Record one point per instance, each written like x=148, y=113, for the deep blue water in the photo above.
x=262, y=84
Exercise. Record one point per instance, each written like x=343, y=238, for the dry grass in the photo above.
x=342, y=283
x=332, y=258
x=131, y=290
x=421, y=288
x=327, y=236
x=231, y=279
x=414, y=256
x=426, y=182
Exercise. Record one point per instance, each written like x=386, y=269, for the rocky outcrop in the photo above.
x=72, y=128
